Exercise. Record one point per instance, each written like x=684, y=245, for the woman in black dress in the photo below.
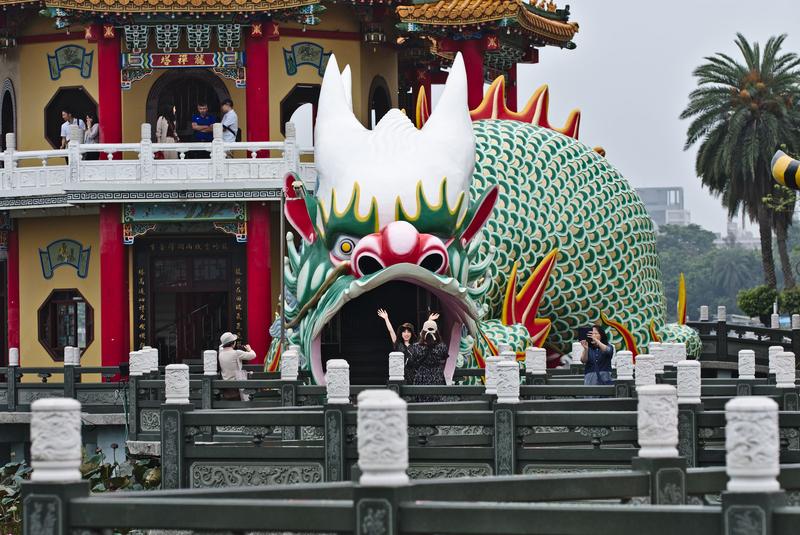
x=402, y=340
x=428, y=357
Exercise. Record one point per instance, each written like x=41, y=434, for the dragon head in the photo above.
x=390, y=219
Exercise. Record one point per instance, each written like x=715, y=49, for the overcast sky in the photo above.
x=631, y=75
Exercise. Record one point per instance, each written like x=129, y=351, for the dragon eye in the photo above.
x=343, y=247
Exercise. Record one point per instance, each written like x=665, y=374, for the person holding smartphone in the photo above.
x=231, y=357
x=597, y=355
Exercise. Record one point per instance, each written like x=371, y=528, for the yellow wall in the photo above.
x=35, y=89
x=36, y=233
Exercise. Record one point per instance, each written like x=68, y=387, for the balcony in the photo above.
x=254, y=171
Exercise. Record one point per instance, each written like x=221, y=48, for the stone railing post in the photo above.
x=290, y=371
x=55, y=458
x=8, y=161
x=536, y=366
x=774, y=321
x=291, y=154
x=795, y=334
x=657, y=351
x=176, y=388
x=11, y=378
x=337, y=382
x=382, y=430
x=218, y=153
x=704, y=313
x=207, y=382
x=771, y=352
x=137, y=367
x=689, y=404
x=752, y=463
x=490, y=374
x=623, y=384
x=795, y=321
x=747, y=372
x=290, y=363
x=722, y=334
x=70, y=373
x=146, y=157
x=74, y=154
x=505, y=409
x=645, y=371
x=657, y=426
x=397, y=370
x=576, y=353
x=785, y=379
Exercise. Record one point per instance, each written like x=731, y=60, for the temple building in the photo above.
x=114, y=246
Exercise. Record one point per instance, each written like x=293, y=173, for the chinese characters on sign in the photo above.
x=305, y=53
x=70, y=57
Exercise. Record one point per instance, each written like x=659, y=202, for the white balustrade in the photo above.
x=55, y=172
x=152, y=354
x=503, y=348
x=774, y=321
x=507, y=382
x=752, y=444
x=210, y=362
x=645, y=369
x=657, y=421
x=747, y=364
x=771, y=352
x=704, y=313
x=624, y=360
x=491, y=374
x=382, y=430
x=577, y=352
x=509, y=354
x=722, y=314
x=795, y=321
x=536, y=360
x=689, y=383
x=397, y=366
x=176, y=384
x=56, y=440
x=680, y=351
x=137, y=364
x=785, y=374
x=290, y=363
x=337, y=381
x=658, y=355
x=13, y=356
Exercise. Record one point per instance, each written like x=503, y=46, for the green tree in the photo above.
x=742, y=110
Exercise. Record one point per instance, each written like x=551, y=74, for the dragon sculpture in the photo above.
x=520, y=232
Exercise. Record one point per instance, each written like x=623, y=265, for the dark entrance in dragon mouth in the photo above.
x=358, y=335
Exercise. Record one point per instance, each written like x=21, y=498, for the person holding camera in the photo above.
x=231, y=356
x=597, y=355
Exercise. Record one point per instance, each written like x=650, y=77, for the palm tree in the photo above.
x=741, y=112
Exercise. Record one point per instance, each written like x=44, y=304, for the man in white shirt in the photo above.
x=230, y=360
x=69, y=120
x=230, y=123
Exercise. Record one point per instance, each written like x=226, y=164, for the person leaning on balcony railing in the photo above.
x=165, y=131
x=230, y=364
x=69, y=120
x=230, y=124
x=91, y=135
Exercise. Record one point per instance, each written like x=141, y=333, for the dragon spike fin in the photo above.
x=423, y=110
x=522, y=307
x=627, y=337
x=653, y=333
x=681, y=300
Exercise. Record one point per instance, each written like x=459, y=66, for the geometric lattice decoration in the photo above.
x=168, y=36
x=229, y=36
x=198, y=36
x=136, y=37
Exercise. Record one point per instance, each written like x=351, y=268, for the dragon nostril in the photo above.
x=432, y=262
x=368, y=265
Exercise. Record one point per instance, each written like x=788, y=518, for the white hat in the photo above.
x=227, y=338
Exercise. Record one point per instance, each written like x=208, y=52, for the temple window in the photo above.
x=75, y=99
x=65, y=319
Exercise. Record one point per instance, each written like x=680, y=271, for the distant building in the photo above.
x=738, y=237
x=665, y=205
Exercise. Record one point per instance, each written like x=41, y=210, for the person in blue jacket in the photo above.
x=597, y=355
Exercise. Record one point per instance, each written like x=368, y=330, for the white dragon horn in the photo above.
x=451, y=115
x=335, y=110
x=347, y=80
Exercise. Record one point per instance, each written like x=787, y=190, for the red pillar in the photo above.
x=259, y=291
x=109, y=109
x=257, y=89
x=12, y=274
x=114, y=333
x=511, y=88
x=472, y=50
